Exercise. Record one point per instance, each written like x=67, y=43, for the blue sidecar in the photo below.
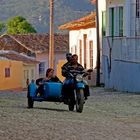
x=52, y=93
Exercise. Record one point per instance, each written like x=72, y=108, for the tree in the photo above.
x=19, y=25
x=1, y=26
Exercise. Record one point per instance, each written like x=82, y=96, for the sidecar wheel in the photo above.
x=30, y=103
x=80, y=100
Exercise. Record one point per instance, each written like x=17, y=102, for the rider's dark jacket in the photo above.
x=64, y=69
x=69, y=66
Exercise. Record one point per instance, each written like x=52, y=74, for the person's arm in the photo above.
x=80, y=67
x=39, y=81
x=64, y=70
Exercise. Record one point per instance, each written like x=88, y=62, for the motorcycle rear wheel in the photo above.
x=79, y=100
x=71, y=107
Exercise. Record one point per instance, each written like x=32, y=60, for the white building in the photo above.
x=82, y=39
x=121, y=45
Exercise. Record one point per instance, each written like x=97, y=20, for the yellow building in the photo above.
x=37, y=45
x=15, y=69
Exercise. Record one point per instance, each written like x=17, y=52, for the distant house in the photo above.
x=15, y=68
x=121, y=45
x=82, y=39
x=37, y=45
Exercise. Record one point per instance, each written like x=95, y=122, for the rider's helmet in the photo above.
x=68, y=56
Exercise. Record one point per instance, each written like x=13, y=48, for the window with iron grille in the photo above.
x=42, y=68
x=80, y=53
x=7, y=72
x=85, y=50
x=91, y=53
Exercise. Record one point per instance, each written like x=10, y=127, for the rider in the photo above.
x=64, y=67
x=74, y=65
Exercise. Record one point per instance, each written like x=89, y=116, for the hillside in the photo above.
x=37, y=11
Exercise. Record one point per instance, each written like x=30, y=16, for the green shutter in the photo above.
x=112, y=22
x=103, y=23
x=120, y=21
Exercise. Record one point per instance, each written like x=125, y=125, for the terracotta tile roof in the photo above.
x=35, y=42
x=88, y=21
x=12, y=55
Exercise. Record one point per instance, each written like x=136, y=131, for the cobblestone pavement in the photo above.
x=107, y=116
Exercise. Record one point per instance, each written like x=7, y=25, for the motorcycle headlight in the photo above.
x=79, y=78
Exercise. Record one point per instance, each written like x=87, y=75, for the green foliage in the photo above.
x=19, y=25
x=37, y=11
x=1, y=26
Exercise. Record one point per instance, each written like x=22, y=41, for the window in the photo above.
x=111, y=22
x=32, y=73
x=120, y=21
x=7, y=72
x=137, y=8
x=80, y=46
x=103, y=23
x=42, y=68
x=73, y=49
x=85, y=50
x=91, y=53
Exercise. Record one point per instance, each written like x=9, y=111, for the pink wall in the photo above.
x=44, y=57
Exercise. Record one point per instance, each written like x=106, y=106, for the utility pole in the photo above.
x=98, y=44
x=51, y=44
x=96, y=2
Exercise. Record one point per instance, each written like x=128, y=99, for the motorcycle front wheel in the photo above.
x=79, y=100
x=71, y=107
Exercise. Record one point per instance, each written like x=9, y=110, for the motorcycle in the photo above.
x=52, y=91
x=76, y=83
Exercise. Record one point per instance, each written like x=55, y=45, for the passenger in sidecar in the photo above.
x=49, y=78
x=45, y=89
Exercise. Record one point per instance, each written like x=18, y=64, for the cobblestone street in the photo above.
x=107, y=116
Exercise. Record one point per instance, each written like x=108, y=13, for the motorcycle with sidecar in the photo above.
x=52, y=91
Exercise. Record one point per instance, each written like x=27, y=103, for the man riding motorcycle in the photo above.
x=67, y=89
x=64, y=67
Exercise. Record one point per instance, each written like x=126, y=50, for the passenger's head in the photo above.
x=49, y=72
x=74, y=59
x=68, y=56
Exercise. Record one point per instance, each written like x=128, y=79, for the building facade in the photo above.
x=82, y=39
x=83, y=42
x=15, y=69
x=37, y=46
x=121, y=45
